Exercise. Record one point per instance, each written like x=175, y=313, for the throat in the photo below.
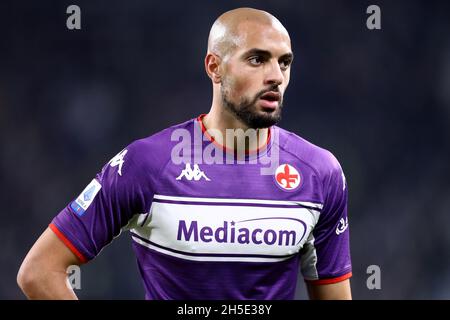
x=236, y=139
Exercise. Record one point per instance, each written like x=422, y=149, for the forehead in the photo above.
x=265, y=36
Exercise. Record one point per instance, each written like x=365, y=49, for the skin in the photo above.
x=249, y=52
x=334, y=291
x=42, y=274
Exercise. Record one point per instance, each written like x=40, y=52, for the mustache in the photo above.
x=271, y=89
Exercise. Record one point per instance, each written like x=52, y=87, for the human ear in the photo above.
x=212, y=67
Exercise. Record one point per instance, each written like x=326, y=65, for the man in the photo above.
x=207, y=221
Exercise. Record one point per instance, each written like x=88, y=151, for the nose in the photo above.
x=274, y=75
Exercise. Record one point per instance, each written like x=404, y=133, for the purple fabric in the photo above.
x=147, y=170
x=174, y=279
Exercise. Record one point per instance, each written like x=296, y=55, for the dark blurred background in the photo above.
x=378, y=99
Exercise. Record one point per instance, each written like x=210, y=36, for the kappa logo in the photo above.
x=118, y=160
x=190, y=174
x=287, y=177
x=342, y=226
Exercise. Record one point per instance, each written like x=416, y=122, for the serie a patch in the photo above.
x=84, y=200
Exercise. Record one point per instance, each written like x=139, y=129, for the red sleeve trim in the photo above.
x=67, y=242
x=330, y=280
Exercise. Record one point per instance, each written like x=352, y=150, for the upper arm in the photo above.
x=51, y=247
x=48, y=254
x=334, y=291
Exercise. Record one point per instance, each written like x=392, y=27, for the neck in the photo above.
x=219, y=120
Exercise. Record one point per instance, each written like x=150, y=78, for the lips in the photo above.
x=271, y=96
x=270, y=100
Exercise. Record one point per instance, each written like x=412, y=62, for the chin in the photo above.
x=265, y=120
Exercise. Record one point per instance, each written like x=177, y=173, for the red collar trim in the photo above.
x=225, y=149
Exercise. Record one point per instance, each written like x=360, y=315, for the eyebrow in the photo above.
x=265, y=53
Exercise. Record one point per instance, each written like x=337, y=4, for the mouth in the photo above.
x=270, y=100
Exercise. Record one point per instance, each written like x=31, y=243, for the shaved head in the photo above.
x=231, y=28
x=248, y=60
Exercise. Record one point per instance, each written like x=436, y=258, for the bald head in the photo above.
x=232, y=28
x=249, y=62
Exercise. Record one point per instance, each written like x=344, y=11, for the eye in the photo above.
x=285, y=64
x=255, y=60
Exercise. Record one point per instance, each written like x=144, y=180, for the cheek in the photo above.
x=239, y=86
x=241, y=83
x=286, y=79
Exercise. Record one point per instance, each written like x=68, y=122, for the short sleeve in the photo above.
x=105, y=206
x=325, y=258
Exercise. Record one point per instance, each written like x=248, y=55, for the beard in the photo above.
x=246, y=110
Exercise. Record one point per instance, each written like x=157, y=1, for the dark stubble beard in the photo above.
x=247, y=112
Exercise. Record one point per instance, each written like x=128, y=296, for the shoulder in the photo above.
x=154, y=151
x=321, y=160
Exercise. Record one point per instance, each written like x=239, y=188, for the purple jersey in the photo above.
x=217, y=229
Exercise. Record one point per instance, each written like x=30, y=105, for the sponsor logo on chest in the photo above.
x=207, y=229
x=231, y=232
